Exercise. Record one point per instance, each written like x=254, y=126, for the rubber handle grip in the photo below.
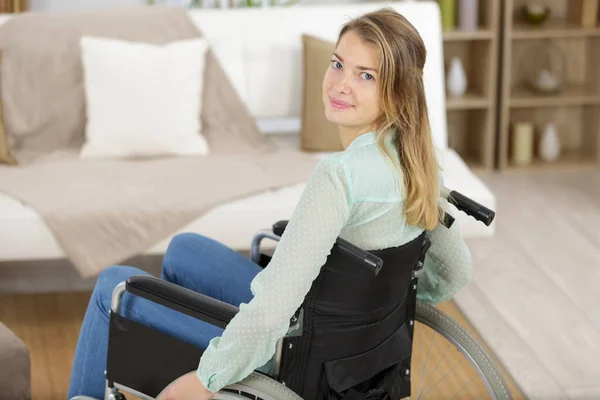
x=471, y=207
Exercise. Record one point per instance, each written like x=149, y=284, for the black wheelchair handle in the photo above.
x=471, y=207
x=181, y=299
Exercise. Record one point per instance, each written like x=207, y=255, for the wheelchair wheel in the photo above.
x=256, y=386
x=426, y=384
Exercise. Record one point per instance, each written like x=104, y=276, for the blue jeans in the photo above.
x=191, y=260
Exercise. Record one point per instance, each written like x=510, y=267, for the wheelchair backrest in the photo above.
x=356, y=327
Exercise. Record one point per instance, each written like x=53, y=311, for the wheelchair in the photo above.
x=353, y=337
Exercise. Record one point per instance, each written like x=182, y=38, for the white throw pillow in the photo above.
x=143, y=99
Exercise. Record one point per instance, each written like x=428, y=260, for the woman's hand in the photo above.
x=186, y=387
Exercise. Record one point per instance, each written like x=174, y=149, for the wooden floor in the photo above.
x=535, y=290
x=49, y=325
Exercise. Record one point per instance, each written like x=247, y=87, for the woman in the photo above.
x=381, y=191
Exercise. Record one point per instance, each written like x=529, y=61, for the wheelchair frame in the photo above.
x=219, y=313
x=210, y=310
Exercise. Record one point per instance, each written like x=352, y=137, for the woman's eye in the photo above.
x=336, y=64
x=368, y=76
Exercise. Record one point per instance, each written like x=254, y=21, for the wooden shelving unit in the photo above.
x=574, y=109
x=472, y=117
x=13, y=6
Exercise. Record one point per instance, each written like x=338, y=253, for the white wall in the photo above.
x=72, y=5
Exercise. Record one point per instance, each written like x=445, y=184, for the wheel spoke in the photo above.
x=440, y=362
x=445, y=375
x=464, y=387
x=427, y=362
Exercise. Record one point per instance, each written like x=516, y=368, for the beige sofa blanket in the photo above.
x=105, y=211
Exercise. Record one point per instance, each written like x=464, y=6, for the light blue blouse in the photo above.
x=355, y=194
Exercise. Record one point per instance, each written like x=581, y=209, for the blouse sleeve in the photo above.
x=249, y=340
x=447, y=266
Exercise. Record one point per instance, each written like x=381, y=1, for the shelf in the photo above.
x=552, y=29
x=471, y=118
x=469, y=101
x=573, y=109
x=467, y=136
x=458, y=35
x=569, y=159
x=572, y=95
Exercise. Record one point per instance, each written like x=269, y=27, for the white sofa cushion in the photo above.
x=143, y=99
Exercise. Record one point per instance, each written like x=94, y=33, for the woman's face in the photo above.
x=350, y=85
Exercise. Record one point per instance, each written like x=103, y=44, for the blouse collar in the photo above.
x=363, y=140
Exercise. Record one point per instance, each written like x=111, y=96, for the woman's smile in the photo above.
x=338, y=104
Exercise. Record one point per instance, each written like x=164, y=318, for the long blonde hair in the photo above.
x=403, y=108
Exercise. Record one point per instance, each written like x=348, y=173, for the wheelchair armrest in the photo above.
x=184, y=300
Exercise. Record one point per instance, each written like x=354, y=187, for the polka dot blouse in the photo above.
x=355, y=194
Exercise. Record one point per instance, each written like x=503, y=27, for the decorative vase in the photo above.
x=549, y=143
x=468, y=12
x=456, y=81
x=543, y=67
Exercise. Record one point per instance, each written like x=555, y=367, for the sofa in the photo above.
x=275, y=96
x=15, y=367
